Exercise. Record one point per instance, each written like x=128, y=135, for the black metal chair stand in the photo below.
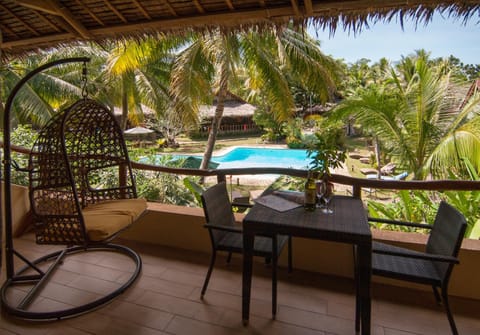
x=74, y=154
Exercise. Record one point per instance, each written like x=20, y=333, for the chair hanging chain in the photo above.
x=84, y=81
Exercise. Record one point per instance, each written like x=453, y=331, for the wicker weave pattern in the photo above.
x=225, y=235
x=66, y=166
x=422, y=267
x=446, y=236
x=218, y=211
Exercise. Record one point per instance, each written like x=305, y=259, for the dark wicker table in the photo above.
x=347, y=224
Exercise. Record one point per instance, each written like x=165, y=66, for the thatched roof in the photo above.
x=26, y=25
x=234, y=106
x=232, y=109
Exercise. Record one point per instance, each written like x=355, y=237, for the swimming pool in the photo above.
x=243, y=157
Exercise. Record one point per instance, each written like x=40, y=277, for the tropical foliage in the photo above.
x=421, y=206
x=411, y=113
x=137, y=75
x=407, y=106
x=327, y=151
x=38, y=98
x=207, y=69
x=23, y=136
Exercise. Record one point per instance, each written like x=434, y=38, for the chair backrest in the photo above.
x=446, y=236
x=75, y=154
x=217, y=209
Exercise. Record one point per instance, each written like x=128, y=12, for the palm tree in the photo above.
x=413, y=117
x=207, y=69
x=36, y=101
x=137, y=73
x=460, y=143
x=55, y=88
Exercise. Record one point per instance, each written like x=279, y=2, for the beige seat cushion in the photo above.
x=105, y=219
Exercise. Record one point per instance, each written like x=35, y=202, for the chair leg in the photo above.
x=449, y=312
x=209, y=273
x=274, y=276
x=357, y=290
x=438, y=299
x=229, y=257
x=290, y=267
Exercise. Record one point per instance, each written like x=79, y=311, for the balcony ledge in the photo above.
x=182, y=227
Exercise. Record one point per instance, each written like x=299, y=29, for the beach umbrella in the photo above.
x=138, y=132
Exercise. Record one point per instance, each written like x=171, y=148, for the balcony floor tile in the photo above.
x=166, y=299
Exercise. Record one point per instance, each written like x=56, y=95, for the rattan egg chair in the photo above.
x=73, y=206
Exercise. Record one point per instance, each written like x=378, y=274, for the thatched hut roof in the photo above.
x=234, y=107
x=26, y=25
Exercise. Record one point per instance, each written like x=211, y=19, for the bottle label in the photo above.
x=310, y=197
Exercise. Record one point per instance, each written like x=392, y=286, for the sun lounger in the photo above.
x=400, y=176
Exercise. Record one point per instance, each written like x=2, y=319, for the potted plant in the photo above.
x=327, y=152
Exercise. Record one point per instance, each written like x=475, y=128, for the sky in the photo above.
x=441, y=37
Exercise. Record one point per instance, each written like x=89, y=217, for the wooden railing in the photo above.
x=356, y=183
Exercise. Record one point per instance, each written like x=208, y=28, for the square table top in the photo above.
x=348, y=223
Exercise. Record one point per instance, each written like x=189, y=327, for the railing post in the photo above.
x=220, y=178
x=357, y=191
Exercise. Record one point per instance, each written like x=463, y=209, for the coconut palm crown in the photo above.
x=207, y=68
x=414, y=118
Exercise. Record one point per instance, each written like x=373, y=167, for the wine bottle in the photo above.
x=310, y=202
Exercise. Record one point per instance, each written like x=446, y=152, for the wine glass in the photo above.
x=321, y=189
x=327, y=196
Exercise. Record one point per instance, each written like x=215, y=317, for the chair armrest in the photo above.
x=400, y=223
x=224, y=228
x=418, y=255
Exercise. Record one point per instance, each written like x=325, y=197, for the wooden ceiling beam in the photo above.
x=308, y=7
x=199, y=6
x=53, y=7
x=40, y=5
x=43, y=40
x=19, y=20
x=295, y=7
x=8, y=30
x=113, y=9
x=227, y=19
x=230, y=4
x=47, y=22
x=92, y=14
x=140, y=7
x=170, y=8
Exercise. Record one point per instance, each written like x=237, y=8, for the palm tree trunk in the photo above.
x=376, y=145
x=217, y=119
x=123, y=124
x=212, y=136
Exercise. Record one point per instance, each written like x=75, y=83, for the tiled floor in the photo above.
x=166, y=300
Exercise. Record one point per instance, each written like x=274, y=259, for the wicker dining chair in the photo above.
x=432, y=267
x=226, y=235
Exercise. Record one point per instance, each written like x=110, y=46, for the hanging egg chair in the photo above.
x=82, y=194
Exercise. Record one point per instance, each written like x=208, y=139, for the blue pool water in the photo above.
x=262, y=157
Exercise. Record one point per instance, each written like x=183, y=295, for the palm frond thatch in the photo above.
x=29, y=26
